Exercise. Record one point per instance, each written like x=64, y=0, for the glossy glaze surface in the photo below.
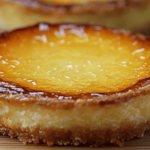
x=72, y=59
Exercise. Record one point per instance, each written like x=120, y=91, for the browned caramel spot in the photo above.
x=71, y=59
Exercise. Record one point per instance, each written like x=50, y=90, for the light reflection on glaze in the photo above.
x=44, y=27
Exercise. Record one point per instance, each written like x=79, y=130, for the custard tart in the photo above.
x=74, y=84
x=133, y=15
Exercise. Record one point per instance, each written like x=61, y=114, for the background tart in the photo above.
x=128, y=14
x=58, y=85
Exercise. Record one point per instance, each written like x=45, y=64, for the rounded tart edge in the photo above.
x=110, y=118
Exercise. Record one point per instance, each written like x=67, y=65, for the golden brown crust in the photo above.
x=77, y=136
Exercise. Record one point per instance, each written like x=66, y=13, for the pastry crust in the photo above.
x=79, y=136
x=33, y=123
x=114, y=14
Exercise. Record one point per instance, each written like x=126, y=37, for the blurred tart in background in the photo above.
x=133, y=15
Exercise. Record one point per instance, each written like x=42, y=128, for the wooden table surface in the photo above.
x=135, y=144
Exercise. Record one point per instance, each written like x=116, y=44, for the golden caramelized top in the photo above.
x=71, y=59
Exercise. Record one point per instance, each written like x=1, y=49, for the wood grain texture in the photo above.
x=136, y=144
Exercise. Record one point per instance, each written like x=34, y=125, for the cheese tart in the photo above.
x=74, y=84
x=127, y=14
